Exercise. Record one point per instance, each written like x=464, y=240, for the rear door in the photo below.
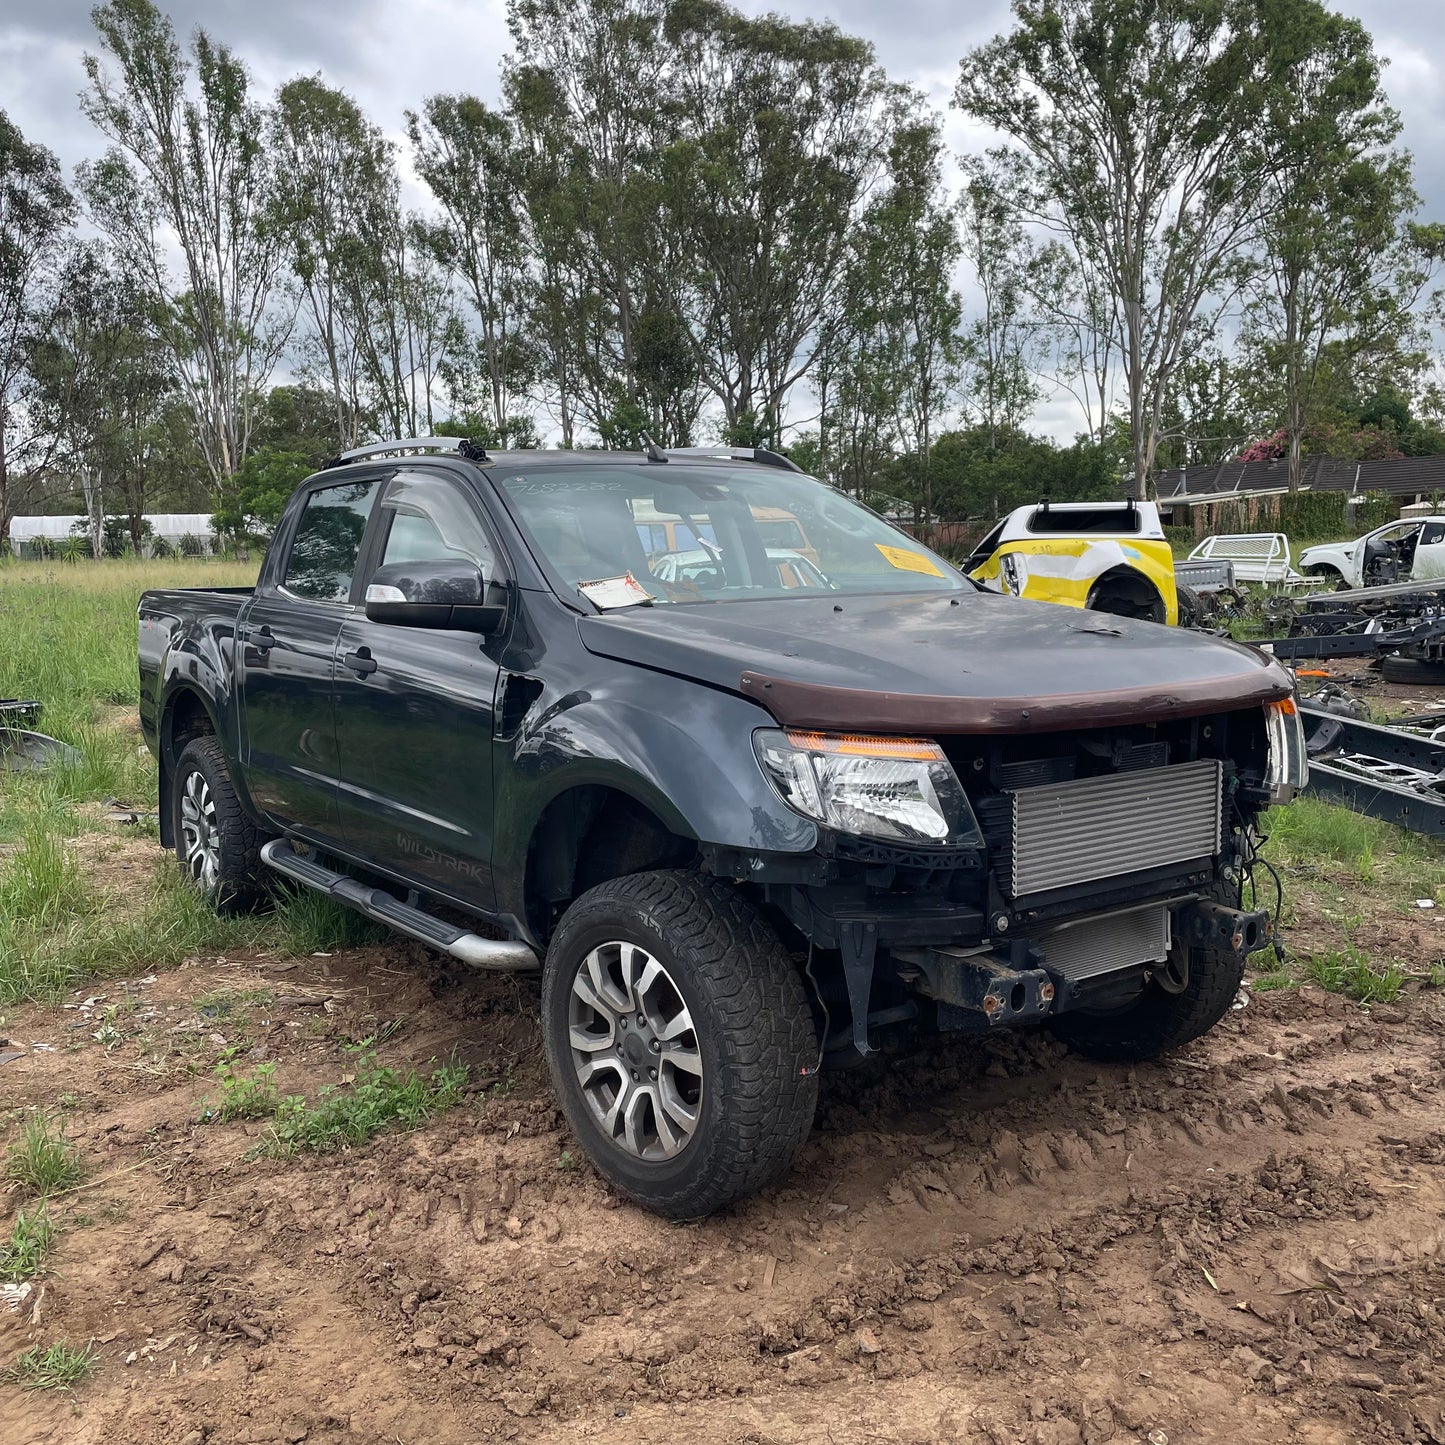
x=1430, y=552
x=287, y=642
x=414, y=706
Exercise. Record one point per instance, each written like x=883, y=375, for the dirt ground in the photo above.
x=991, y=1241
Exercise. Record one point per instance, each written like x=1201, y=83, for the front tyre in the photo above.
x=680, y=1041
x=218, y=846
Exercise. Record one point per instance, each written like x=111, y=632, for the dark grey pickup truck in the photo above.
x=755, y=782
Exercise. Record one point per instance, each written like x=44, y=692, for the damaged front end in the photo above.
x=1074, y=872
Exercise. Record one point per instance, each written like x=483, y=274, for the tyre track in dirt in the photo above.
x=993, y=1242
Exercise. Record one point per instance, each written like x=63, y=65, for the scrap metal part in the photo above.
x=1395, y=773
x=22, y=749
x=1406, y=619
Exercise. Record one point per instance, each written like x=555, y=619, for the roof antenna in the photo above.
x=650, y=448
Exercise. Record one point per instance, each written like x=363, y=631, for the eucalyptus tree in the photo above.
x=1337, y=260
x=583, y=89
x=1003, y=341
x=774, y=134
x=1148, y=129
x=889, y=363
x=189, y=173
x=75, y=365
x=331, y=162
x=468, y=156
x=36, y=213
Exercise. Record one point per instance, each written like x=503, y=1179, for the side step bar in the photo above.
x=469, y=948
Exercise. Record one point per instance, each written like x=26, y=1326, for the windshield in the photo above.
x=711, y=534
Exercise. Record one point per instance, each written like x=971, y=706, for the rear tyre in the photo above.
x=1192, y=611
x=218, y=846
x=1165, y=1016
x=1420, y=671
x=680, y=1041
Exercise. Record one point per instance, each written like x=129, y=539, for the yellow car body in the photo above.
x=1106, y=556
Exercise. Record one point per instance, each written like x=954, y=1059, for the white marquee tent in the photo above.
x=170, y=525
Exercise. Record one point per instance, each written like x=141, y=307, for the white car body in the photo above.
x=1426, y=557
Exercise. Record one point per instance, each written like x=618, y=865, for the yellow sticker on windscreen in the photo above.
x=906, y=561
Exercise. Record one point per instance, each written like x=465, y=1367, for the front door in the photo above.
x=414, y=708
x=287, y=641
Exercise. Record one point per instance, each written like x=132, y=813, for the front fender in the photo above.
x=682, y=750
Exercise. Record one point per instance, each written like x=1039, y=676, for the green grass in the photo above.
x=22, y=1256
x=346, y=1115
x=1350, y=972
x=42, y=1161
x=78, y=933
x=68, y=639
x=1310, y=834
x=310, y=922
x=52, y=1367
x=1276, y=978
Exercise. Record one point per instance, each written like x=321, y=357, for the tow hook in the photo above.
x=1204, y=924
x=981, y=983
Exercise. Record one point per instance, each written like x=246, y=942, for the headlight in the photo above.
x=901, y=789
x=1288, y=769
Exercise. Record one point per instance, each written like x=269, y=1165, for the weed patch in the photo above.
x=1349, y=972
x=22, y=1256
x=95, y=937
x=1275, y=979
x=42, y=1160
x=244, y=1096
x=345, y=1115
x=52, y=1367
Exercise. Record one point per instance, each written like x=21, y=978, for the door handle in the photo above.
x=361, y=662
x=262, y=641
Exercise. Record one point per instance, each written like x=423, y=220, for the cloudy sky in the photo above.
x=392, y=53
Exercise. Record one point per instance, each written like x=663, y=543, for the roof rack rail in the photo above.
x=464, y=446
x=761, y=455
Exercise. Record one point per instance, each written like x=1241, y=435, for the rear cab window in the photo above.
x=1084, y=521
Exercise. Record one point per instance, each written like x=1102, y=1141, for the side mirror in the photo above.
x=447, y=593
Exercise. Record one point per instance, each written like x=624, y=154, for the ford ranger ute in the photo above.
x=748, y=816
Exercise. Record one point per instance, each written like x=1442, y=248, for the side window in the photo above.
x=1433, y=534
x=432, y=520
x=328, y=541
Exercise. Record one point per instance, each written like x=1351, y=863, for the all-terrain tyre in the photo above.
x=680, y=1040
x=1192, y=610
x=1417, y=671
x=1160, y=1020
x=218, y=845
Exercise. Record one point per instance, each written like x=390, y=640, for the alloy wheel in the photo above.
x=199, y=837
x=635, y=1049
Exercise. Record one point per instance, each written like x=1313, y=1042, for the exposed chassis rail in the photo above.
x=1393, y=773
x=1403, y=617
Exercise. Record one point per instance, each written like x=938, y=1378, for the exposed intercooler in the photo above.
x=1104, y=827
